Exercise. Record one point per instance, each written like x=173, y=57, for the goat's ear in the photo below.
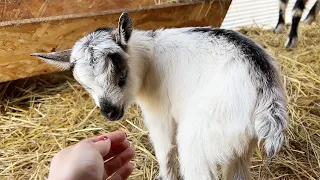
x=60, y=59
x=124, y=28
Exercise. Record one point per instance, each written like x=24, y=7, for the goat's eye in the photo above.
x=123, y=74
x=94, y=60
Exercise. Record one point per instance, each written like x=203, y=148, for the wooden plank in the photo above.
x=17, y=42
x=26, y=9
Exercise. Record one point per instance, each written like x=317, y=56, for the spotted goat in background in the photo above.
x=212, y=93
x=297, y=11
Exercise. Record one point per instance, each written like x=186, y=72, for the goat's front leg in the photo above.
x=162, y=129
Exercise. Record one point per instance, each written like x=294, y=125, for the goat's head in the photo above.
x=99, y=62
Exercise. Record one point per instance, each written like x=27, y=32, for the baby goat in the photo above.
x=297, y=13
x=213, y=91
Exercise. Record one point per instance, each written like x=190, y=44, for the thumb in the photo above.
x=103, y=145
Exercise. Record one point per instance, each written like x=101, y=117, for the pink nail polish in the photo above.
x=103, y=138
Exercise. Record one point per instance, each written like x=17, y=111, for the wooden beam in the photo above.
x=18, y=41
x=22, y=9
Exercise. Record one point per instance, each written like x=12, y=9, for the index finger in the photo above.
x=116, y=137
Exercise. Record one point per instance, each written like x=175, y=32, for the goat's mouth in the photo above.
x=120, y=116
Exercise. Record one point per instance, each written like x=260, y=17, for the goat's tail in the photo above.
x=270, y=118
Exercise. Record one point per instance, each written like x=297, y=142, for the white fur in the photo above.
x=200, y=91
x=196, y=89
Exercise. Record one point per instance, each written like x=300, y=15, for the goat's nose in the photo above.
x=111, y=113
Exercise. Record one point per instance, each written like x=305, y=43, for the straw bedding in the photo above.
x=44, y=114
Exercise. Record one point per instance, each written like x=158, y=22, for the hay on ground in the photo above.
x=43, y=115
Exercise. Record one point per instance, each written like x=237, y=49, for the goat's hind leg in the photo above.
x=238, y=168
x=192, y=144
x=313, y=13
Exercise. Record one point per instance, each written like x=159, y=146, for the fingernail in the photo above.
x=103, y=138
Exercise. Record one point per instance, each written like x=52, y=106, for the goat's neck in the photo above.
x=141, y=52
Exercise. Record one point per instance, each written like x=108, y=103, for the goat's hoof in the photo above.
x=159, y=178
x=291, y=42
x=162, y=178
x=279, y=29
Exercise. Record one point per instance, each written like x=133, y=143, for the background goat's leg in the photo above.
x=297, y=13
x=282, y=14
x=313, y=13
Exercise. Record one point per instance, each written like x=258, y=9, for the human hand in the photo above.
x=85, y=160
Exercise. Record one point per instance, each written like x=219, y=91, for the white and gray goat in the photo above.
x=213, y=92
